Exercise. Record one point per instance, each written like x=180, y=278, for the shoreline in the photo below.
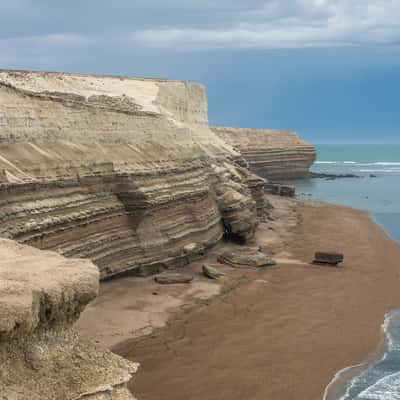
x=336, y=389
x=375, y=220
x=311, y=303
x=346, y=377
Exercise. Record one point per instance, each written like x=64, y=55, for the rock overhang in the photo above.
x=42, y=290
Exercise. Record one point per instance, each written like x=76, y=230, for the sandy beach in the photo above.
x=279, y=333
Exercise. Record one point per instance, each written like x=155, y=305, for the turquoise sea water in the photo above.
x=378, y=191
x=380, y=195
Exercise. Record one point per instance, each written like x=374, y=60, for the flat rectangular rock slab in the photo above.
x=246, y=259
x=173, y=278
x=328, y=258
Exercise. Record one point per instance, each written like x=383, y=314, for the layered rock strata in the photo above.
x=41, y=356
x=125, y=172
x=272, y=154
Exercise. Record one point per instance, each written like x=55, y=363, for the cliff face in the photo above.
x=270, y=153
x=42, y=358
x=125, y=172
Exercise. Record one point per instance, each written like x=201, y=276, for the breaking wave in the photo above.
x=387, y=388
x=379, y=380
x=382, y=163
x=381, y=170
x=340, y=167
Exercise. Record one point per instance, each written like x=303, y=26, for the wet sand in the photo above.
x=132, y=307
x=280, y=333
x=284, y=338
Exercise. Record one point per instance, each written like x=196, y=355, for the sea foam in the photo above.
x=387, y=388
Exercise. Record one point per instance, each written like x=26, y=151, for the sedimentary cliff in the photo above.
x=41, y=356
x=271, y=153
x=125, y=172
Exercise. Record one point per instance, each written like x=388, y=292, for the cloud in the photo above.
x=44, y=32
x=261, y=37
x=289, y=24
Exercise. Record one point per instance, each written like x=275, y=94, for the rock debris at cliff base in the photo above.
x=125, y=172
x=119, y=175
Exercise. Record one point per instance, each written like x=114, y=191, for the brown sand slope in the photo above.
x=283, y=333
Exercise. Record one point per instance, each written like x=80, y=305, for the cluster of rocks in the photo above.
x=125, y=173
x=331, y=177
x=245, y=258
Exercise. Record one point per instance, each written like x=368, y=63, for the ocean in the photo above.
x=377, y=191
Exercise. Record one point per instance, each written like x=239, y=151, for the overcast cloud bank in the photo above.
x=268, y=24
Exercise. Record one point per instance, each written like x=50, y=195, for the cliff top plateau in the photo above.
x=99, y=177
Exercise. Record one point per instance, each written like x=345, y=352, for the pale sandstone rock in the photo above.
x=117, y=170
x=211, y=272
x=42, y=358
x=280, y=190
x=124, y=172
x=246, y=258
x=272, y=154
x=170, y=278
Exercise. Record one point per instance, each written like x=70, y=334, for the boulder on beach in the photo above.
x=169, y=278
x=211, y=272
x=245, y=259
x=328, y=258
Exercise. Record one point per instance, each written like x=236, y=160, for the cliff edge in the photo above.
x=123, y=171
x=272, y=154
x=102, y=176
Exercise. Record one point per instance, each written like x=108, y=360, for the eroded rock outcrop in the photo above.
x=41, y=356
x=269, y=153
x=125, y=172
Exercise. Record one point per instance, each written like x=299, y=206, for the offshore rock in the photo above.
x=331, y=177
x=125, y=172
x=272, y=154
x=41, y=356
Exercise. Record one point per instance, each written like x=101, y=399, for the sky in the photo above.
x=327, y=69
